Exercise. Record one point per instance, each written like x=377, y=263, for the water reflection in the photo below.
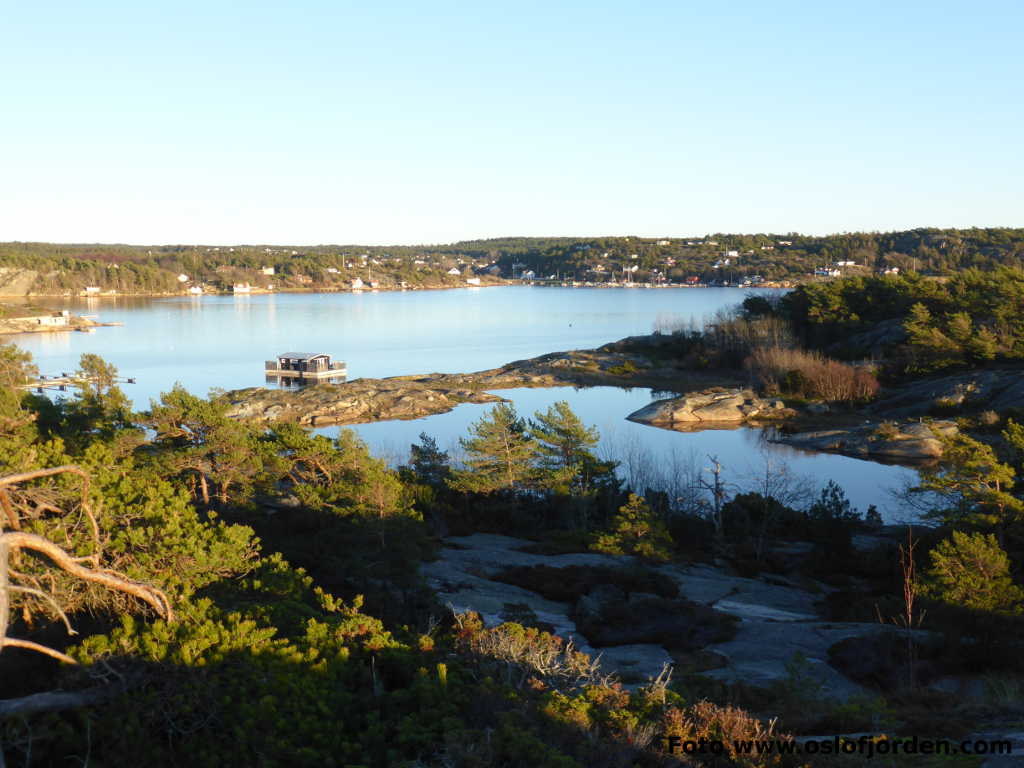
x=56, y=344
x=242, y=304
x=291, y=382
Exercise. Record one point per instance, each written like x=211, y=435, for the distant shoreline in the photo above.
x=322, y=290
x=178, y=294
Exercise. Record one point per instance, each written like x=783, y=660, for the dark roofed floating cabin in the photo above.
x=305, y=365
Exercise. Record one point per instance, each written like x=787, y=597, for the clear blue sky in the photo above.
x=399, y=122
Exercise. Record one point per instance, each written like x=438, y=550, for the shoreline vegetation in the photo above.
x=524, y=605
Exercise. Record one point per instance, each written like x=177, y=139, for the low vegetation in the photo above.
x=810, y=375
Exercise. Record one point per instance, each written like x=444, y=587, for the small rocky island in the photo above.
x=711, y=407
x=411, y=397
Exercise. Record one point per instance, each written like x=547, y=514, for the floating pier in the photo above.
x=62, y=382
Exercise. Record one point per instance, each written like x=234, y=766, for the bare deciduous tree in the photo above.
x=776, y=482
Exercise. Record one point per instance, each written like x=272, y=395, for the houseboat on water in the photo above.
x=313, y=366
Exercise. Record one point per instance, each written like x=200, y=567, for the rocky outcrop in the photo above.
x=768, y=623
x=718, y=405
x=354, y=402
x=410, y=397
x=608, y=617
x=994, y=389
x=31, y=324
x=875, y=342
x=913, y=441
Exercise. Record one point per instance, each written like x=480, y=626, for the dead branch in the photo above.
x=21, y=477
x=11, y=642
x=156, y=598
x=49, y=599
x=5, y=594
x=52, y=701
x=8, y=508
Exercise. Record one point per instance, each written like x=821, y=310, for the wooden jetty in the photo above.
x=62, y=382
x=305, y=365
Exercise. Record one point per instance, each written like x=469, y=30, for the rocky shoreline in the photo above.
x=411, y=397
x=18, y=325
x=904, y=425
x=906, y=441
x=913, y=441
x=355, y=402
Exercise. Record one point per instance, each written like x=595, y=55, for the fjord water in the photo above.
x=222, y=342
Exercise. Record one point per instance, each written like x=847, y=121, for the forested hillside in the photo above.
x=54, y=269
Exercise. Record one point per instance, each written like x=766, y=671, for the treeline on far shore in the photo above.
x=47, y=268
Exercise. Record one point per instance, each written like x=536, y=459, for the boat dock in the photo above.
x=64, y=381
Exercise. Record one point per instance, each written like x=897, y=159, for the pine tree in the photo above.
x=499, y=454
x=932, y=349
x=428, y=462
x=983, y=345
x=565, y=460
x=196, y=438
x=636, y=530
x=974, y=481
x=973, y=571
x=960, y=328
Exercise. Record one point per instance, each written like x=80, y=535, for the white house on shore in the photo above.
x=55, y=319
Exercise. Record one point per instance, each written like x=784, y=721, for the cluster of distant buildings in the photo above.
x=836, y=271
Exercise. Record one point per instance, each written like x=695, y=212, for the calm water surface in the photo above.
x=657, y=457
x=222, y=341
